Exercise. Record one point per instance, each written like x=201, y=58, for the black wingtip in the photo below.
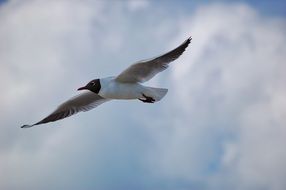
x=189, y=39
x=187, y=42
x=26, y=126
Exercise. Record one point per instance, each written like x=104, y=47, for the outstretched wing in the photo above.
x=144, y=70
x=83, y=102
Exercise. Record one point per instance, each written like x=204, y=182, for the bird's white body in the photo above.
x=113, y=89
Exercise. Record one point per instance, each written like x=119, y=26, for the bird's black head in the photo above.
x=93, y=86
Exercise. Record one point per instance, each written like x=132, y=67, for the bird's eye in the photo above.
x=92, y=83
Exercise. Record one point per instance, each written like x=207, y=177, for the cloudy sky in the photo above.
x=221, y=126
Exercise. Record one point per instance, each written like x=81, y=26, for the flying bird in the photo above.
x=127, y=85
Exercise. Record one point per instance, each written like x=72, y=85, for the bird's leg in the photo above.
x=147, y=99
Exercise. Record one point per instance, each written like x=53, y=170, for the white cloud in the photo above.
x=229, y=90
x=137, y=5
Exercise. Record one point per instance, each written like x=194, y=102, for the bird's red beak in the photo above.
x=82, y=88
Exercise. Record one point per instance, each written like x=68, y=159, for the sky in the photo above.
x=222, y=124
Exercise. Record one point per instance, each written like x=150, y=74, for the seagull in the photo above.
x=127, y=85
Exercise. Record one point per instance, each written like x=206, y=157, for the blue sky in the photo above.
x=221, y=125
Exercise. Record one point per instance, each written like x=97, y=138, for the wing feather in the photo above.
x=144, y=70
x=83, y=102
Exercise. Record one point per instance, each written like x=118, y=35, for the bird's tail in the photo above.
x=157, y=93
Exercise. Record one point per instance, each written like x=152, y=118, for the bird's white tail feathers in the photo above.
x=157, y=93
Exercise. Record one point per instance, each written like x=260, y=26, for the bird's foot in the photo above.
x=147, y=99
